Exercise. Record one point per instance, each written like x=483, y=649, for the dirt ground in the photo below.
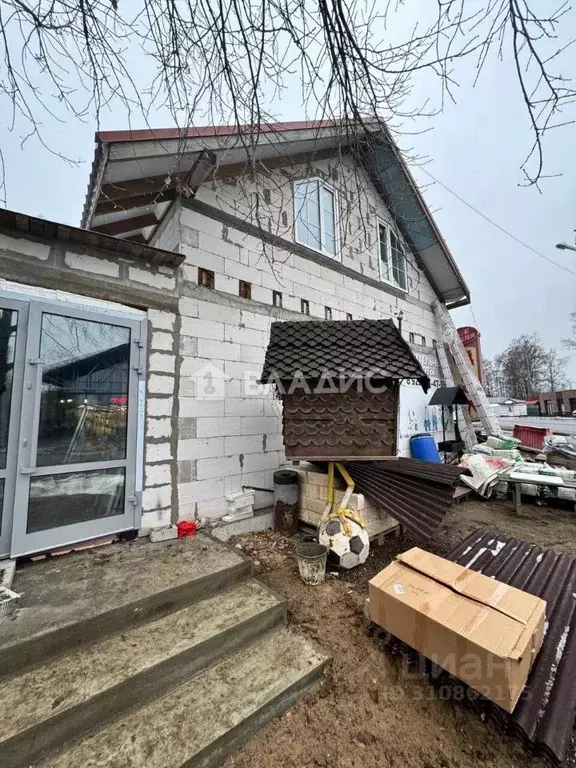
x=370, y=711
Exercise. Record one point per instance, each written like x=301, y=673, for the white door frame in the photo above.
x=24, y=422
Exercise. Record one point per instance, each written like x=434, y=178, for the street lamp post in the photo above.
x=565, y=247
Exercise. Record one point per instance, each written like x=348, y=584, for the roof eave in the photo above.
x=456, y=296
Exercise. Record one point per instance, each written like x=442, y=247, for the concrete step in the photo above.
x=82, y=597
x=200, y=723
x=70, y=695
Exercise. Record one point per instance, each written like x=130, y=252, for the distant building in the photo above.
x=508, y=406
x=557, y=403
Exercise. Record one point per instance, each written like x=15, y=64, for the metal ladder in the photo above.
x=474, y=388
x=467, y=431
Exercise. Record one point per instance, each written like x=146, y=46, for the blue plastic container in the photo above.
x=422, y=446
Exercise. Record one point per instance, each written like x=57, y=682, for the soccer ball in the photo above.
x=343, y=550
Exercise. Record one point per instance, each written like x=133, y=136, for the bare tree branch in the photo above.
x=230, y=61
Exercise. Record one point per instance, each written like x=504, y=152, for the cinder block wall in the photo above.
x=198, y=450
x=224, y=444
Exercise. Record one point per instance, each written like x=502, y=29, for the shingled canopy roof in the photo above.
x=350, y=348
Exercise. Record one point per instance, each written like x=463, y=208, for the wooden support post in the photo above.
x=517, y=498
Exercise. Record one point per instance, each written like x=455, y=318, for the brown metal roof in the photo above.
x=50, y=230
x=349, y=348
x=544, y=716
x=417, y=493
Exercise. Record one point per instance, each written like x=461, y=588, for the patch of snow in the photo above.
x=557, y=657
x=476, y=556
x=539, y=558
x=466, y=551
x=498, y=548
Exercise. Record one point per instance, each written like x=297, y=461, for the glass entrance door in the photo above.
x=75, y=476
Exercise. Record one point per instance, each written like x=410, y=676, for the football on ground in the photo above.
x=344, y=551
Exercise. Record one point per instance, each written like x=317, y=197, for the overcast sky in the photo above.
x=475, y=148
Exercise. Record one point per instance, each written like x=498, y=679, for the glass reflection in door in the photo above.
x=84, y=398
x=83, y=419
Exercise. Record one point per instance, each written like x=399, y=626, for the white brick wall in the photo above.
x=157, y=428
x=219, y=427
x=157, y=474
x=163, y=283
x=161, y=320
x=238, y=436
x=25, y=246
x=161, y=340
x=159, y=407
x=91, y=264
x=160, y=385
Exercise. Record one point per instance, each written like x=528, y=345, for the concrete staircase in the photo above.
x=164, y=656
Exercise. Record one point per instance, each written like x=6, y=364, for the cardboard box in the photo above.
x=481, y=631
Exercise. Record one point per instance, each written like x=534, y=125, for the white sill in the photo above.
x=392, y=284
x=335, y=256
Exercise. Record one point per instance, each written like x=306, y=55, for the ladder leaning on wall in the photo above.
x=473, y=387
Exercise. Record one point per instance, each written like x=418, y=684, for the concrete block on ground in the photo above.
x=164, y=534
x=260, y=522
x=239, y=499
x=238, y=514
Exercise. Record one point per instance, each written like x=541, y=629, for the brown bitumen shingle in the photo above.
x=351, y=348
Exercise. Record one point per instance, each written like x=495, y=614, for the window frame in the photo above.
x=329, y=188
x=390, y=279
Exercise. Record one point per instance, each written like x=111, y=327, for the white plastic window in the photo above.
x=392, y=258
x=398, y=261
x=315, y=214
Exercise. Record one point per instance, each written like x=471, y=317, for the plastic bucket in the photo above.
x=423, y=447
x=312, y=562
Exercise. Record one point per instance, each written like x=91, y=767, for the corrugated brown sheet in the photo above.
x=340, y=425
x=417, y=493
x=350, y=348
x=544, y=716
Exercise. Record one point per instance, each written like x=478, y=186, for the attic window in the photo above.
x=205, y=278
x=244, y=289
x=305, y=306
x=348, y=316
x=315, y=215
x=392, y=258
x=277, y=298
x=328, y=313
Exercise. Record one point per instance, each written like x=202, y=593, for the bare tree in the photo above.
x=231, y=60
x=524, y=366
x=492, y=377
x=554, y=371
x=571, y=342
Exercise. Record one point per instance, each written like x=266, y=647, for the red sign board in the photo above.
x=468, y=336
